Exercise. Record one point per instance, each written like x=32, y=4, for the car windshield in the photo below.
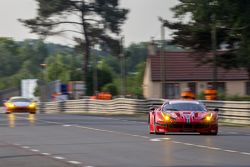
x=20, y=100
x=184, y=107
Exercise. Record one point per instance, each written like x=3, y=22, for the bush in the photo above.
x=111, y=88
x=237, y=98
x=201, y=96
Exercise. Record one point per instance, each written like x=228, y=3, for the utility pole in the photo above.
x=162, y=59
x=95, y=80
x=214, y=47
x=122, y=66
x=44, y=85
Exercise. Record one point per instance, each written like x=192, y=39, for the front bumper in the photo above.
x=21, y=110
x=184, y=127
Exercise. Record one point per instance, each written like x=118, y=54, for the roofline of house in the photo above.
x=208, y=80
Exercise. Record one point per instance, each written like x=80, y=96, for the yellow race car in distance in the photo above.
x=20, y=104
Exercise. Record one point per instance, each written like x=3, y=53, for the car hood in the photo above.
x=21, y=104
x=189, y=114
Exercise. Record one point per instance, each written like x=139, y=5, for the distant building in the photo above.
x=169, y=74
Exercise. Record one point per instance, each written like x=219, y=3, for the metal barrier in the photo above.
x=234, y=112
x=230, y=111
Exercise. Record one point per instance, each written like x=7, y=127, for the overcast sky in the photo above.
x=142, y=23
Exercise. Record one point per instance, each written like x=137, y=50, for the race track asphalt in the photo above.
x=64, y=140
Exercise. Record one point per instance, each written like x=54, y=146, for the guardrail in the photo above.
x=235, y=112
x=119, y=105
x=230, y=111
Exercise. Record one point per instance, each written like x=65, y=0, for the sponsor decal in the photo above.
x=187, y=119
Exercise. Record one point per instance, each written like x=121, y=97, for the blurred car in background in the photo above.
x=20, y=104
x=183, y=116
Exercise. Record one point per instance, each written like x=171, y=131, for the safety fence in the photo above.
x=229, y=111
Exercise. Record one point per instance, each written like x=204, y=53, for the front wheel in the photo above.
x=156, y=132
x=209, y=133
x=159, y=133
x=213, y=133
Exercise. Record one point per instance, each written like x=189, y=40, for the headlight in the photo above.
x=32, y=105
x=10, y=105
x=166, y=117
x=209, y=117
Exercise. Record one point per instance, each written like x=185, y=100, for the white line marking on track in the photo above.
x=201, y=146
x=110, y=131
x=231, y=151
x=176, y=142
x=155, y=140
x=159, y=139
x=145, y=137
x=101, y=130
x=46, y=154
x=59, y=158
x=57, y=123
x=75, y=162
x=244, y=153
x=188, y=144
x=34, y=150
x=211, y=148
x=214, y=148
x=67, y=125
x=26, y=147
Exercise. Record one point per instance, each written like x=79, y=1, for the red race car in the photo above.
x=183, y=116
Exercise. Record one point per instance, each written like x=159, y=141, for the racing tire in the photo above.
x=151, y=132
x=155, y=132
x=209, y=133
x=158, y=133
x=213, y=133
x=149, y=125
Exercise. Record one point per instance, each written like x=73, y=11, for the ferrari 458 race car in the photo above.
x=183, y=116
x=19, y=104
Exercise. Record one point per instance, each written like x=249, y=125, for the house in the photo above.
x=167, y=74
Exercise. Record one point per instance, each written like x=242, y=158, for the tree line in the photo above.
x=34, y=59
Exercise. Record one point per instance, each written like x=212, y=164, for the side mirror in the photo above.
x=152, y=108
x=216, y=110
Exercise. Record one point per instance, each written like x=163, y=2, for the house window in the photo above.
x=221, y=87
x=192, y=86
x=172, y=90
x=247, y=88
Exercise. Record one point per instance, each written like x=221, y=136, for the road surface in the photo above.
x=63, y=140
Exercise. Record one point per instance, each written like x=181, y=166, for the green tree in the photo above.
x=104, y=76
x=136, y=53
x=230, y=19
x=9, y=59
x=135, y=81
x=97, y=21
x=113, y=62
x=58, y=67
x=32, y=53
x=111, y=88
